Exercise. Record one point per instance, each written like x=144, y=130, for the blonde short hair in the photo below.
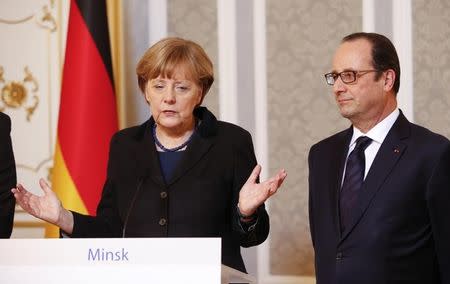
x=170, y=53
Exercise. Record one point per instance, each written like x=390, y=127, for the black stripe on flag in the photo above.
x=94, y=15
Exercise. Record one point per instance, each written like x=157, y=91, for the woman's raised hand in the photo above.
x=46, y=207
x=253, y=194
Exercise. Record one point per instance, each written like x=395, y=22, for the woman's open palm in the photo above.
x=46, y=207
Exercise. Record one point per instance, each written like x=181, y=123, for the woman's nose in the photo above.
x=169, y=96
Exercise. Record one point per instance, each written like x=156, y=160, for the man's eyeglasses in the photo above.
x=347, y=77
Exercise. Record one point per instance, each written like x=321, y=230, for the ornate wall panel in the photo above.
x=197, y=20
x=431, y=63
x=136, y=42
x=301, y=39
x=30, y=65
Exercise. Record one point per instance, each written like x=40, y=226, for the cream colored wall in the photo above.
x=197, y=20
x=431, y=61
x=301, y=39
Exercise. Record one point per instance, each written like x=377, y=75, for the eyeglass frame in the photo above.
x=355, y=73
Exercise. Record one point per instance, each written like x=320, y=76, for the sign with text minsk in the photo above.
x=113, y=261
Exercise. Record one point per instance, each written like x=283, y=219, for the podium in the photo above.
x=116, y=261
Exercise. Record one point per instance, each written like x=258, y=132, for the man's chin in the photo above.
x=346, y=113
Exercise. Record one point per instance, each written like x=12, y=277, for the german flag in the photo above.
x=87, y=113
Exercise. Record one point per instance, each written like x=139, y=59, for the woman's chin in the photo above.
x=169, y=123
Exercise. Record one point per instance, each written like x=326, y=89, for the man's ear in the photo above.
x=389, y=80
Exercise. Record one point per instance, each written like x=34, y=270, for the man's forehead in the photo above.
x=353, y=55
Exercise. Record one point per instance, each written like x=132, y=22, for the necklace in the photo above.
x=160, y=145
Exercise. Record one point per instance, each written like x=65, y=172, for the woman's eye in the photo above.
x=183, y=88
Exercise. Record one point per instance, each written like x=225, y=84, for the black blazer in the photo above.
x=401, y=231
x=7, y=178
x=199, y=201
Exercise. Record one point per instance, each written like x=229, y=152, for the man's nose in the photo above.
x=339, y=86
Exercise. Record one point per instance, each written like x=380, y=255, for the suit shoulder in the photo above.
x=232, y=131
x=432, y=146
x=129, y=133
x=230, y=127
x=425, y=136
x=329, y=141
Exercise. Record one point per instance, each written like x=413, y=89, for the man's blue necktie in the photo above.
x=353, y=181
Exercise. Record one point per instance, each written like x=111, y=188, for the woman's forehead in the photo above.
x=182, y=71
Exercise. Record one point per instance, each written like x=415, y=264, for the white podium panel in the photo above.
x=114, y=261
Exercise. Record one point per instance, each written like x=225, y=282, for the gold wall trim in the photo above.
x=49, y=170
x=34, y=169
x=43, y=17
x=29, y=224
x=15, y=22
x=115, y=24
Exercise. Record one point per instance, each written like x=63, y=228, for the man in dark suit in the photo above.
x=7, y=178
x=379, y=204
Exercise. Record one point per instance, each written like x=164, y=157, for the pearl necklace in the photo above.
x=171, y=149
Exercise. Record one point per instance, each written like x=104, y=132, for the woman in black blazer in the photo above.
x=182, y=173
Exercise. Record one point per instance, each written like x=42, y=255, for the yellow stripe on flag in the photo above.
x=65, y=189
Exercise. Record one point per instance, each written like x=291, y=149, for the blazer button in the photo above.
x=162, y=221
x=163, y=194
x=339, y=256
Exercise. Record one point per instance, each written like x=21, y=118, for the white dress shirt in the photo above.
x=378, y=133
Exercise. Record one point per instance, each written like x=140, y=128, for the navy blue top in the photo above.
x=168, y=162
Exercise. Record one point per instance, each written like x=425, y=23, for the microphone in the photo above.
x=130, y=208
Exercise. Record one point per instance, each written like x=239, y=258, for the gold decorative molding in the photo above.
x=38, y=167
x=14, y=94
x=16, y=21
x=29, y=224
x=44, y=18
x=47, y=21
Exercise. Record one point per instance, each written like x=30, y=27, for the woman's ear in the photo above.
x=199, y=97
x=146, y=92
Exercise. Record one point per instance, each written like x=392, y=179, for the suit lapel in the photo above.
x=204, y=138
x=387, y=157
x=198, y=147
x=147, y=160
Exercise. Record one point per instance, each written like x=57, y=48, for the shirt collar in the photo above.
x=379, y=131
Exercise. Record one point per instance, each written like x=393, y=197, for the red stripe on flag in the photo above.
x=88, y=114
